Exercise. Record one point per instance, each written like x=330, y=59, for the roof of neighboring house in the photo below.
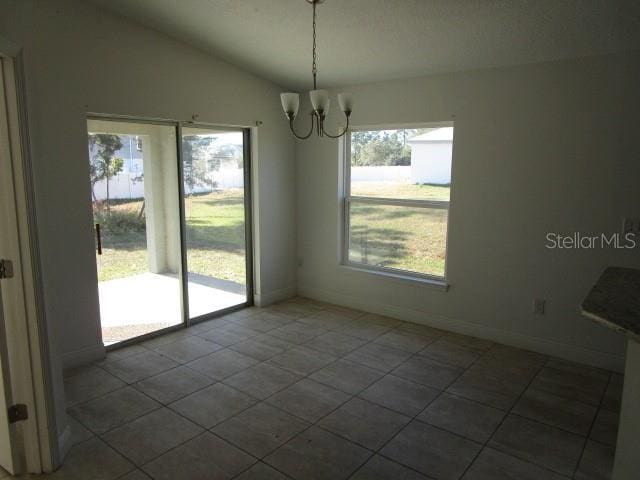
x=443, y=134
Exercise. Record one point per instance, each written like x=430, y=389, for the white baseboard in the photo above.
x=545, y=346
x=82, y=357
x=264, y=299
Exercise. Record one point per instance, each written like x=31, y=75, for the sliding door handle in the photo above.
x=99, y=238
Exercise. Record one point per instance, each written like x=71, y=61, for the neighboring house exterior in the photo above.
x=431, y=156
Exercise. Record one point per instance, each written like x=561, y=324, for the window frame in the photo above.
x=347, y=200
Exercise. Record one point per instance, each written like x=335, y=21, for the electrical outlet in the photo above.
x=631, y=225
x=539, y=306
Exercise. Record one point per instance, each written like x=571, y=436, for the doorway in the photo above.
x=171, y=214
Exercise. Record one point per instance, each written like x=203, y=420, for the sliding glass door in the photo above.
x=215, y=200
x=171, y=213
x=134, y=186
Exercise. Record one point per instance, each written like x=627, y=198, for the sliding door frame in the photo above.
x=183, y=274
x=248, y=219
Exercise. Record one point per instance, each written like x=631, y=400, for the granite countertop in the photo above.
x=615, y=301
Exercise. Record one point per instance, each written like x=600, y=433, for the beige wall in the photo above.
x=541, y=148
x=80, y=59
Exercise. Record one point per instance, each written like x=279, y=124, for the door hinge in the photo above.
x=6, y=269
x=18, y=413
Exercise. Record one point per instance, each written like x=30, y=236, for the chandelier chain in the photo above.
x=314, y=69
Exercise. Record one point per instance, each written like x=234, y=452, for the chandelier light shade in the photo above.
x=290, y=103
x=319, y=98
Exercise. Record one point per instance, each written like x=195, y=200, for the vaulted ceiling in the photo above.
x=371, y=40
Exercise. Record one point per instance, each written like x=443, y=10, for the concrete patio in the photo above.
x=144, y=303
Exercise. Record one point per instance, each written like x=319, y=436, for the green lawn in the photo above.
x=398, y=237
x=404, y=238
x=400, y=190
x=215, y=238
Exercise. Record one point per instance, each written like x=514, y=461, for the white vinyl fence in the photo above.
x=124, y=186
x=381, y=174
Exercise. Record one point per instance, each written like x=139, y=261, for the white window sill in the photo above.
x=435, y=283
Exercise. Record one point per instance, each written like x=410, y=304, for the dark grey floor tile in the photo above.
x=428, y=372
x=617, y=378
x=596, y=462
x=326, y=319
x=187, y=349
x=302, y=360
x=380, y=468
x=464, y=417
x=347, y=376
x=308, y=399
x=348, y=312
x=612, y=397
x=207, y=325
x=403, y=340
x=173, y=384
x=297, y=332
x=222, y=364
x=605, y=428
x=493, y=465
x=275, y=342
x=364, y=423
x=570, y=385
x=167, y=338
x=517, y=357
x=88, y=384
x=316, y=454
x=260, y=429
x=294, y=309
x=113, y=409
x=424, y=330
x=92, y=459
x=261, y=471
x=335, y=343
x=380, y=320
x=205, y=457
x=432, y=451
x=227, y=335
x=152, y=435
x=491, y=386
x=577, y=369
x=262, y=321
x=378, y=357
x=362, y=329
x=138, y=367
x=543, y=445
x=473, y=343
x=79, y=433
x=262, y=380
x=400, y=395
x=450, y=353
x=556, y=411
x=212, y=405
x=256, y=349
x=123, y=352
x=135, y=475
x=523, y=370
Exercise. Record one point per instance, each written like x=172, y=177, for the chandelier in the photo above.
x=319, y=98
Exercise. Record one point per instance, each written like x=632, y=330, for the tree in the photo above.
x=197, y=160
x=382, y=147
x=103, y=163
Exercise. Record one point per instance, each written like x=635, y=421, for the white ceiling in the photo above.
x=370, y=40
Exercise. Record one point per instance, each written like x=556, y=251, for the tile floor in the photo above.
x=308, y=391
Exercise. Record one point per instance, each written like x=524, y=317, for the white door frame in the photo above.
x=29, y=365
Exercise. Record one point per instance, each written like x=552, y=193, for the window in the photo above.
x=396, y=207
